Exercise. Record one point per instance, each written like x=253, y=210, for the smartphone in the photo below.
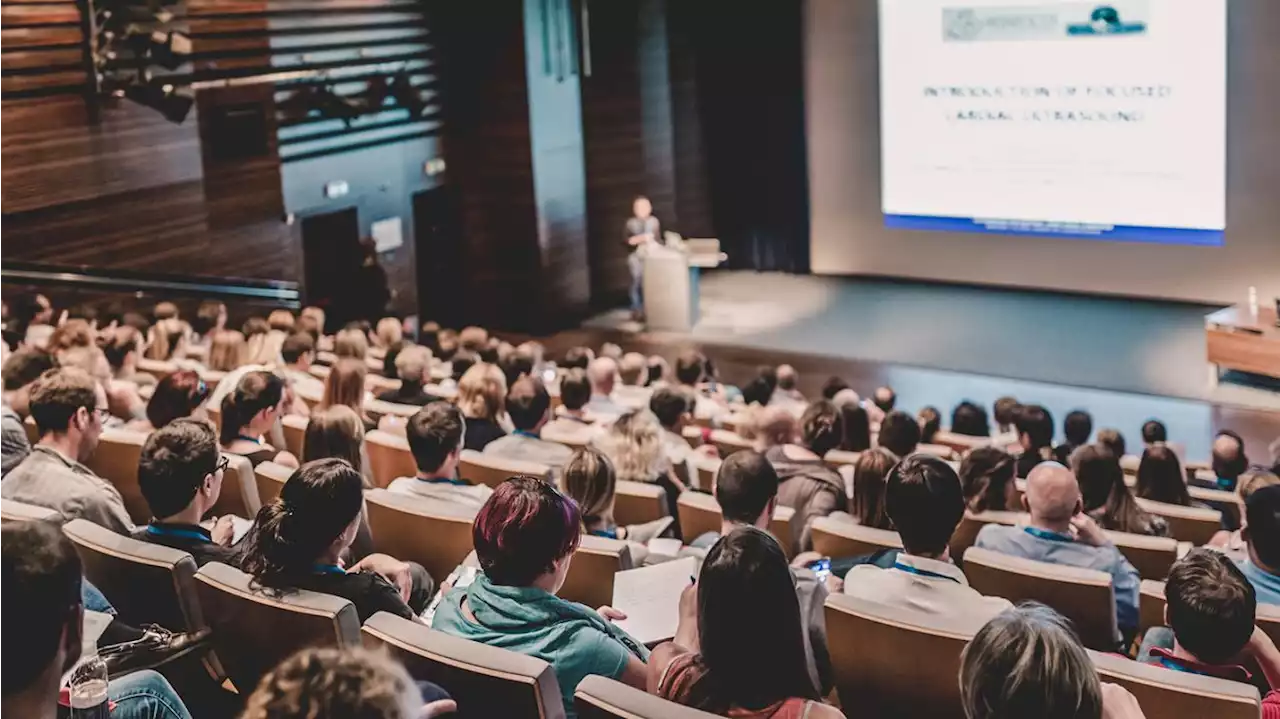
x=820, y=567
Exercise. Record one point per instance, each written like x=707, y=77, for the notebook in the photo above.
x=650, y=597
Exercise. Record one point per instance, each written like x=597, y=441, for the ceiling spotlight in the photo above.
x=165, y=99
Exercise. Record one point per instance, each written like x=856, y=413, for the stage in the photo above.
x=1124, y=360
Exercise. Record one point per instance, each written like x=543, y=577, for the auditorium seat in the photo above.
x=936, y=450
x=435, y=534
x=700, y=513
x=1169, y=694
x=590, y=578
x=239, y=495
x=727, y=442
x=485, y=681
x=639, y=502
x=693, y=434
x=1226, y=502
x=319, y=371
x=146, y=583
x=1084, y=596
x=706, y=467
x=1150, y=605
x=254, y=629
x=967, y=531
x=837, y=537
x=295, y=433
x=480, y=468
x=569, y=438
x=116, y=460
x=600, y=698
x=1188, y=524
x=156, y=368
x=377, y=408
x=312, y=395
x=1151, y=556
x=838, y=458
x=215, y=416
x=959, y=443
x=389, y=457
x=892, y=662
x=33, y=432
x=269, y=478
x=11, y=511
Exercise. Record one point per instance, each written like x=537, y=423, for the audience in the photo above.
x=248, y=414
x=227, y=351
x=1058, y=532
x=715, y=662
x=632, y=368
x=970, y=420
x=857, y=427
x=634, y=444
x=298, y=541
x=1229, y=461
x=674, y=410
x=788, y=390
x=884, y=399
x=168, y=335
x=690, y=371
x=69, y=409
x=351, y=343
x=930, y=423
x=211, y=317
x=869, y=473
x=413, y=367
x=1107, y=498
x=21, y=370
x=1005, y=412
x=1261, y=535
x=120, y=346
x=659, y=371
x=986, y=480
x=1160, y=477
x=571, y=423
x=180, y=474
x=177, y=395
x=298, y=353
x=1154, y=432
x=345, y=387
x=589, y=480
x=529, y=407
x=336, y=432
x=1076, y=428
x=524, y=537
x=481, y=393
x=577, y=358
x=807, y=483
x=602, y=374
x=1035, y=434
x=924, y=500
x=899, y=434
x=833, y=386
x=1113, y=441
x=435, y=437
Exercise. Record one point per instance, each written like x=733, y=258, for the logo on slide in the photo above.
x=1044, y=22
x=1105, y=20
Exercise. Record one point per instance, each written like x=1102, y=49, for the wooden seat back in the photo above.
x=590, y=578
x=1164, y=692
x=435, y=534
x=116, y=460
x=835, y=537
x=1187, y=524
x=480, y=468
x=389, y=457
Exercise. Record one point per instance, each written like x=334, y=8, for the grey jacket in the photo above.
x=48, y=479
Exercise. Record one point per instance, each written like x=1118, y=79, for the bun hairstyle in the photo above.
x=316, y=504
x=255, y=392
x=822, y=427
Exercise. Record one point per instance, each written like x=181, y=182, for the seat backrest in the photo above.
x=838, y=458
x=389, y=457
x=435, y=534
x=1229, y=503
x=156, y=368
x=269, y=478
x=834, y=537
x=1151, y=603
x=33, y=432
x=215, y=416
x=706, y=467
x=1084, y=596
x=590, y=578
x=378, y=408
x=967, y=531
x=239, y=495
x=485, y=681
x=116, y=460
x=256, y=629
x=147, y=583
x=479, y=468
x=11, y=511
x=560, y=435
x=599, y=698
x=295, y=433
x=959, y=443
x=639, y=502
x=1151, y=556
x=1188, y=524
x=936, y=450
x=1167, y=693
x=889, y=661
x=699, y=513
x=729, y=442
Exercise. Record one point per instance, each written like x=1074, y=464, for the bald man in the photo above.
x=787, y=393
x=1058, y=532
x=602, y=373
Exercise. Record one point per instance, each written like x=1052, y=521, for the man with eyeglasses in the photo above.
x=69, y=408
x=180, y=474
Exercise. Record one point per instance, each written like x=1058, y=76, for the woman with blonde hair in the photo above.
x=345, y=386
x=351, y=343
x=634, y=444
x=168, y=334
x=227, y=351
x=482, y=394
x=387, y=333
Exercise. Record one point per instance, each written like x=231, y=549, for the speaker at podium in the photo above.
x=671, y=274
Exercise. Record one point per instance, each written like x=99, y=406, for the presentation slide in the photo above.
x=1072, y=119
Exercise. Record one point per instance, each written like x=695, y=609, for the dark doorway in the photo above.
x=331, y=255
x=438, y=234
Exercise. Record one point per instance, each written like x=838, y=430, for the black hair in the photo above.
x=254, y=392
x=832, y=387
x=1035, y=422
x=930, y=422
x=296, y=345
x=821, y=427
x=174, y=462
x=1234, y=466
x=669, y=405
x=25, y=366
x=899, y=433
x=575, y=389
x=744, y=484
x=488, y=355
x=769, y=374
x=1005, y=410
x=857, y=428
x=41, y=577
x=1153, y=431
x=578, y=357
x=757, y=391
x=924, y=500
x=527, y=403
x=1102, y=489
x=1076, y=427
x=317, y=503
x=655, y=373
x=985, y=474
x=884, y=398
x=1112, y=440
x=515, y=365
x=691, y=366
x=1160, y=477
x=1262, y=515
x=970, y=420
x=434, y=433
x=58, y=395
x=461, y=362
x=1211, y=605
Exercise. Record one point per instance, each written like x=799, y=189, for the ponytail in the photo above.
x=254, y=392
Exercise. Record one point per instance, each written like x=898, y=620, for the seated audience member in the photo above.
x=44, y=616
x=590, y=480
x=634, y=444
x=123, y=400
x=1005, y=412
x=674, y=410
x=602, y=374
x=255, y=331
x=631, y=371
x=986, y=480
x=899, y=434
x=336, y=432
x=739, y=648
x=758, y=393
x=68, y=408
x=227, y=351
x=1076, y=428
x=1035, y=434
x=832, y=387
x=168, y=335
x=70, y=335
x=388, y=336
x=924, y=500
x=577, y=358
x=347, y=682
x=180, y=474
x=1112, y=440
x=788, y=388
x=121, y=347
x=352, y=343
x=179, y=394
x=211, y=317
x=1154, y=432
x=1262, y=538
x=691, y=370
x=1107, y=498
x=248, y=414
x=571, y=420
x=413, y=367
x=435, y=437
x=1059, y=532
x=524, y=537
x=459, y=364
x=857, y=427
x=516, y=364
x=481, y=394
x=345, y=386
x=299, y=539
x=659, y=371
x=930, y=422
x=1028, y=662
x=33, y=319
x=529, y=407
x=611, y=350
x=970, y=420
x=473, y=339
x=1233, y=540
x=298, y=352
x=869, y=474
x=1160, y=477
x=21, y=370
x=1210, y=610
x=1229, y=461
x=884, y=399
x=807, y=484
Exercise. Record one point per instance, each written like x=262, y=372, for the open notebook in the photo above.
x=650, y=597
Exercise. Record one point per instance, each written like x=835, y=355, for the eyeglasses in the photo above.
x=223, y=463
x=103, y=413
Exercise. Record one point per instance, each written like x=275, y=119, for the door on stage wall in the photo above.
x=441, y=256
x=331, y=255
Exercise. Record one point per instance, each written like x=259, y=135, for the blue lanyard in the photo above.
x=328, y=569
x=162, y=531
x=525, y=433
x=255, y=440
x=444, y=480
x=608, y=533
x=1046, y=534
x=1168, y=663
x=923, y=572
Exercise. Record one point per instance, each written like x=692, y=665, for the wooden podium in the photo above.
x=1239, y=340
x=671, y=278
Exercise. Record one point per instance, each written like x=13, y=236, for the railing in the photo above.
x=280, y=293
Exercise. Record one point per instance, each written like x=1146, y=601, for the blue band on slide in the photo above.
x=1127, y=233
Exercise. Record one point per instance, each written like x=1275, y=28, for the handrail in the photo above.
x=134, y=281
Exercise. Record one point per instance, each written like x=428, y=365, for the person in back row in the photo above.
x=69, y=408
x=413, y=367
x=986, y=478
x=1261, y=535
x=529, y=407
x=571, y=423
x=899, y=434
x=481, y=395
x=180, y=474
x=1160, y=477
x=1035, y=434
x=674, y=409
x=1229, y=461
x=436, y=439
x=1154, y=432
x=924, y=499
x=21, y=370
x=603, y=374
x=1058, y=532
x=249, y=413
x=1107, y=499
x=807, y=484
x=1077, y=427
x=298, y=352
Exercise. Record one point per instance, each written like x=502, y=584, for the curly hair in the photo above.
x=333, y=682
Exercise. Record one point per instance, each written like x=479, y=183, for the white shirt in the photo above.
x=467, y=495
x=928, y=586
